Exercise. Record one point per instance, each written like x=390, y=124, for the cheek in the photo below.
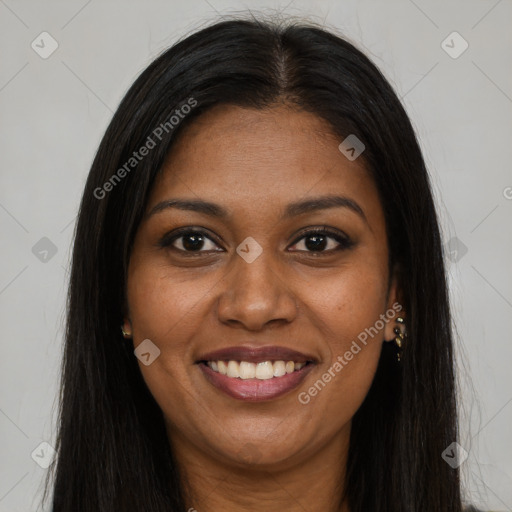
x=349, y=303
x=169, y=310
x=348, y=313
x=166, y=308
x=163, y=305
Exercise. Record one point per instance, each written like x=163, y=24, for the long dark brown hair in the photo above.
x=113, y=451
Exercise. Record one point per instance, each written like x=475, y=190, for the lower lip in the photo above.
x=256, y=390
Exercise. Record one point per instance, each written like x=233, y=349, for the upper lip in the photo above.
x=256, y=354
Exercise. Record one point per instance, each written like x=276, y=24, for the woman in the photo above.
x=258, y=312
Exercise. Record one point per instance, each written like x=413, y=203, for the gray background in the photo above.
x=53, y=114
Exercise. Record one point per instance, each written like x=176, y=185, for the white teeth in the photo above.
x=279, y=369
x=233, y=369
x=263, y=370
x=247, y=370
x=223, y=367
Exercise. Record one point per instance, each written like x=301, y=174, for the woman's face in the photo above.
x=253, y=283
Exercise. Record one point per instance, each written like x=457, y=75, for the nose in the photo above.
x=256, y=295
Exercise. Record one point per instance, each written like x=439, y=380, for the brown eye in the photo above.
x=323, y=240
x=189, y=240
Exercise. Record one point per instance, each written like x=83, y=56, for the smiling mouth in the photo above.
x=255, y=381
x=255, y=373
x=263, y=370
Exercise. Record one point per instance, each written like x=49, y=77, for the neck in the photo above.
x=315, y=483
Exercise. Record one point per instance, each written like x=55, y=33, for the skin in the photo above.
x=239, y=455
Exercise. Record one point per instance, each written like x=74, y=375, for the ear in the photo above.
x=127, y=323
x=394, y=307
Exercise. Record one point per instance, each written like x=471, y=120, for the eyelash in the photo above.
x=344, y=241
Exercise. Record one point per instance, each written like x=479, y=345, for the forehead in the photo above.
x=258, y=159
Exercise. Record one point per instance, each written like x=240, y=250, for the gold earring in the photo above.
x=399, y=340
x=126, y=335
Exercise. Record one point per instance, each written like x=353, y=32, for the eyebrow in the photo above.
x=293, y=209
